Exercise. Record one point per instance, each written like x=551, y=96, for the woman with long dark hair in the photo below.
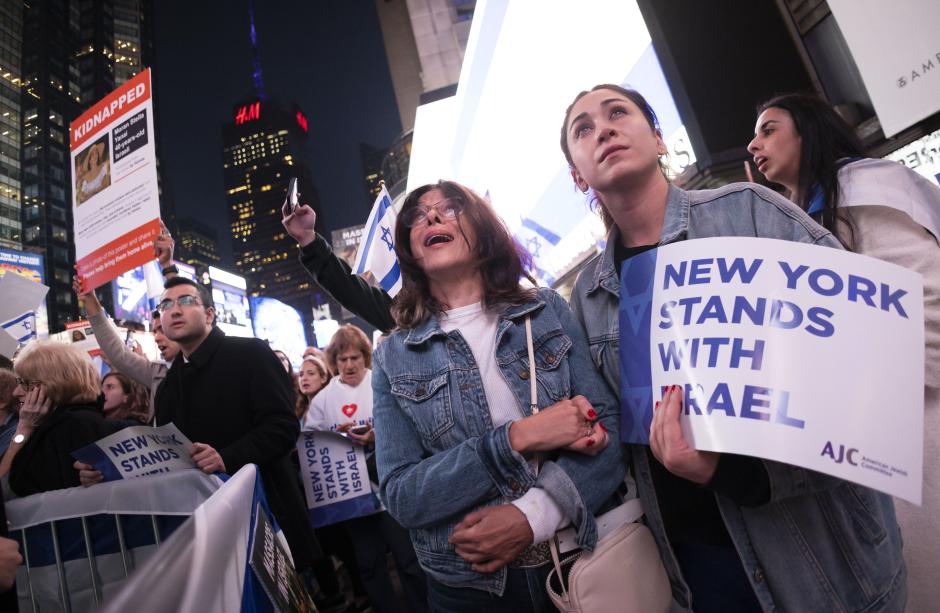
x=881, y=209
x=735, y=533
x=455, y=430
x=125, y=400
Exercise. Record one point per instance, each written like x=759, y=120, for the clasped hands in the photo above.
x=492, y=537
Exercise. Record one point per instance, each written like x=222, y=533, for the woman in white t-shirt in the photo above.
x=345, y=406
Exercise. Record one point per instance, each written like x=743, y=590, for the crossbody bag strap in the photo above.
x=534, y=409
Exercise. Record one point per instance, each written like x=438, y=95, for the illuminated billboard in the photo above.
x=136, y=292
x=499, y=134
x=230, y=298
x=30, y=266
x=280, y=325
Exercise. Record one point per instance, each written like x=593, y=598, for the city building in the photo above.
x=371, y=159
x=11, y=40
x=73, y=53
x=197, y=244
x=263, y=147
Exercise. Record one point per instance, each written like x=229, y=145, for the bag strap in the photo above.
x=534, y=408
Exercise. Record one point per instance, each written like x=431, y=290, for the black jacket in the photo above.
x=370, y=303
x=232, y=395
x=44, y=463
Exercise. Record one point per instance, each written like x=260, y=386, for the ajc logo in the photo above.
x=843, y=454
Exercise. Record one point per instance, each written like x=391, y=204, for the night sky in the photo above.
x=328, y=57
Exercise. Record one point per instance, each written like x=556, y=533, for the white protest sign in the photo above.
x=336, y=480
x=137, y=451
x=802, y=354
x=115, y=198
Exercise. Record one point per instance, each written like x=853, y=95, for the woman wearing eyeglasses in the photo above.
x=456, y=435
x=58, y=388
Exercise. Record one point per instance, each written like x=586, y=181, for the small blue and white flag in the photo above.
x=539, y=242
x=377, y=250
x=21, y=327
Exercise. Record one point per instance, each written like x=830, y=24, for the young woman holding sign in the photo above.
x=735, y=533
x=881, y=209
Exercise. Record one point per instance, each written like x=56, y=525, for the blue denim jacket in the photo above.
x=821, y=543
x=438, y=454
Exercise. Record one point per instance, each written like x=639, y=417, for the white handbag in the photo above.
x=624, y=573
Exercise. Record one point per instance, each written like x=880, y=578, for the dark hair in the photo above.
x=636, y=98
x=825, y=139
x=138, y=399
x=204, y=295
x=501, y=260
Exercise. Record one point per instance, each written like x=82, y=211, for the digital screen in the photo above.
x=465, y=137
x=281, y=326
x=230, y=299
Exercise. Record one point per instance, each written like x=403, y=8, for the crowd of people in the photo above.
x=489, y=412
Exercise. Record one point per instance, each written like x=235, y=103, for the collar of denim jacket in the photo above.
x=431, y=327
x=675, y=226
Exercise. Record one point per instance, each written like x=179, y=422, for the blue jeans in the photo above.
x=524, y=593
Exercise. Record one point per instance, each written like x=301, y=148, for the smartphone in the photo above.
x=129, y=339
x=292, y=201
x=359, y=430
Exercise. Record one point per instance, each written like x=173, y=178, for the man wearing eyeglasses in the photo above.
x=230, y=397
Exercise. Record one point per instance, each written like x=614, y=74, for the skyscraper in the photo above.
x=262, y=149
x=11, y=40
x=197, y=243
x=73, y=53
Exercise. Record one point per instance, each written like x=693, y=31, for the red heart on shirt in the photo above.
x=349, y=410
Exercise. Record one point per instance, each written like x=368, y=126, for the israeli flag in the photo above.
x=22, y=327
x=539, y=242
x=377, y=251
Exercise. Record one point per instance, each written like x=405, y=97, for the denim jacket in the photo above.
x=821, y=543
x=438, y=454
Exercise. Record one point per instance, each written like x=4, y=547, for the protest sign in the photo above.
x=115, y=200
x=138, y=451
x=785, y=351
x=32, y=267
x=274, y=570
x=336, y=480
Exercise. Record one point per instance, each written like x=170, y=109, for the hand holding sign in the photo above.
x=207, y=459
x=670, y=446
x=163, y=246
x=87, y=475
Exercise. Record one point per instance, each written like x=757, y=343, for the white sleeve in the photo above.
x=316, y=414
x=544, y=515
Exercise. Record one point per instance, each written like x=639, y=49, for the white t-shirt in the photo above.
x=478, y=329
x=339, y=403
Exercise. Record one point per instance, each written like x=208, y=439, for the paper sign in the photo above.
x=336, y=480
x=138, y=451
x=790, y=352
x=274, y=571
x=115, y=200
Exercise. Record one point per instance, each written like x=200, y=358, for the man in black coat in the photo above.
x=231, y=398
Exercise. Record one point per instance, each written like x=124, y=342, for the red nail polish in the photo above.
x=591, y=414
x=589, y=442
x=657, y=404
x=603, y=427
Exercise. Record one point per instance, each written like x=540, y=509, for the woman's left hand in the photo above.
x=492, y=537
x=363, y=439
x=34, y=409
x=593, y=443
x=669, y=444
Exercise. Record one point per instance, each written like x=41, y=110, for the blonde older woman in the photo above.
x=58, y=387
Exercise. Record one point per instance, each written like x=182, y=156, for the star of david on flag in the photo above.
x=376, y=252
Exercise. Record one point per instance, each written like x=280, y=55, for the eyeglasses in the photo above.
x=448, y=208
x=26, y=384
x=184, y=301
